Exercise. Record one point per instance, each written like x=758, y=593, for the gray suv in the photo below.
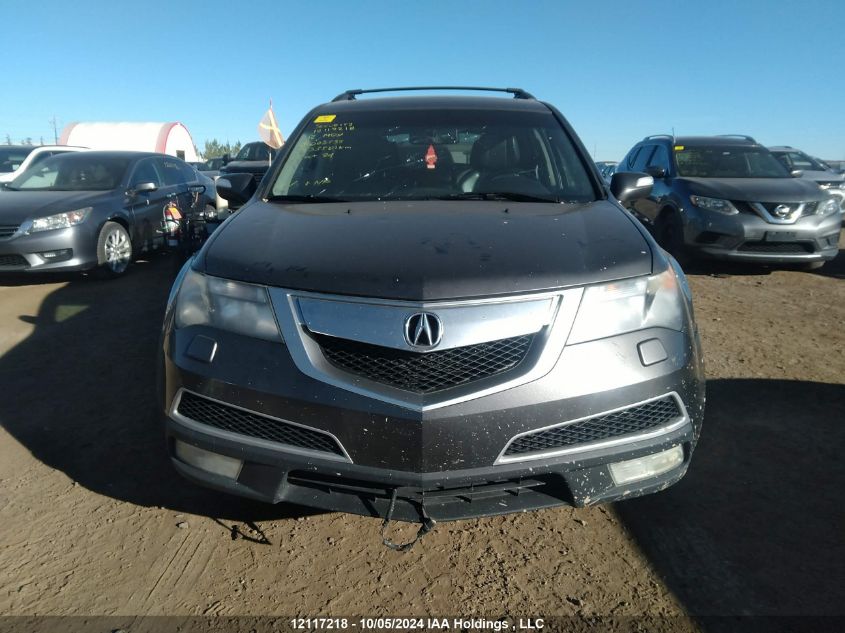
x=728, y=197
x=432, y=308
x=812, y=169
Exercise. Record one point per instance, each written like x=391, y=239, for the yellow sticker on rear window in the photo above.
x=325, y=118
x=678, y=148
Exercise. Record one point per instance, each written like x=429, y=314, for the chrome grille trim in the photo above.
x=7, y=231
x=674, y=425
x=248, y=439
x=541, y=359
x=792, y=218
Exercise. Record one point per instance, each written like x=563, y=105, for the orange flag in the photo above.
x=268, y=129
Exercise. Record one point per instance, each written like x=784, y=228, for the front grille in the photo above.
x=632, y=420
x=13, y=261
x=429, y=372
x=7, y=230
x=227, y=418
x=777, y=247
x=809, y=207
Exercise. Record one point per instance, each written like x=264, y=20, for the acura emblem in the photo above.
x=782, y=210
x=423, y=329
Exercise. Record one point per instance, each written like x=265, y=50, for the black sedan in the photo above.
x=96, y=210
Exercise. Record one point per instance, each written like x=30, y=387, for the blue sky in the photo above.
x=617, y=70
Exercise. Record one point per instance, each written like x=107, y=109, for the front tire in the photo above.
x=114, y=250
x=670, y=235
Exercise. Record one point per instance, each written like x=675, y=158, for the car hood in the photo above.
x=17, y=206
x=421, y=251
x=823, y=176
x=245, y=166
x=756, y=189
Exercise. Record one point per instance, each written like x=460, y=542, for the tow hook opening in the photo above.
x=427, y=524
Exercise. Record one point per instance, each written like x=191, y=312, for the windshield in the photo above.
x=431, y=154
x=73, y=172
x=255, y=151
x=12, y=157
x=800, y=160
x=728, y=162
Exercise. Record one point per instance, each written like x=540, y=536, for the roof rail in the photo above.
x=648, y=138
x=349, y=95
x=745, y=136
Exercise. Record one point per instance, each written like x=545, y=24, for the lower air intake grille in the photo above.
x=429, y=372
x=777, y=247
x=633, y=420
x=13, y=261
x=234, y=420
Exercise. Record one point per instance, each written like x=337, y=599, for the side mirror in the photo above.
x=144, y=187
x=226, y=159
x=796, y=173
x=236, y=188
x=656, y=171
x=627, y=186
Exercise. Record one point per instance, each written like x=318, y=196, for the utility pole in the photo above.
x=55, y=130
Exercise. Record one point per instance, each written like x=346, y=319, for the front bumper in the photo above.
x=748, y=237
x=445, y=462
x=27, y=253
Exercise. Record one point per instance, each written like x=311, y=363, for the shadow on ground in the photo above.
x=79, y=393
x=754, y=528
x=756, y=525
x=836, y=267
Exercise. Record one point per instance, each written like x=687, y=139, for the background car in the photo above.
x=607, y=168
x=213, y=164
x=818, y=171
x=14, y=159
x=253, y=158
x=95, y=210
x=219, y=210
x=728, y=197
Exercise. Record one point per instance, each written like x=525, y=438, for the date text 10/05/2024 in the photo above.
x=406, y=624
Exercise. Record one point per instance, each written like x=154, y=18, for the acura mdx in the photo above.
x=432, y=307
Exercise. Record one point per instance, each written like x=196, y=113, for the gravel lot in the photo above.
x=95, y=521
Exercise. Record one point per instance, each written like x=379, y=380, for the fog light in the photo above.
x=208, y=461
x=645, y=467
x=57, y=256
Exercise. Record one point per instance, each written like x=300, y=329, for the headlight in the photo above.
x=60, y=220
x=714, y=204
x=629, y=305
x=228, y=305
x=826, y=207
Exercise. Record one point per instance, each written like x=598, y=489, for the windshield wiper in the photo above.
x=303, y=198
x=496, y=195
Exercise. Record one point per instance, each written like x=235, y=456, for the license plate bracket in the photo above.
x=781, y=236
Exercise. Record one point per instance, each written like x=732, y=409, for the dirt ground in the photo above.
x=95, y=521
